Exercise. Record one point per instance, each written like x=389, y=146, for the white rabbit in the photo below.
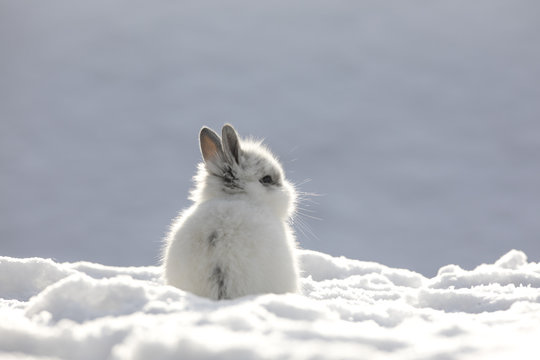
x=235, y=239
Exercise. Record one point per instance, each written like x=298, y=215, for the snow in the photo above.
x=348, y=309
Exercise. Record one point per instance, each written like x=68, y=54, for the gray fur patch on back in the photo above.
x=213, y=238
x=218, y=277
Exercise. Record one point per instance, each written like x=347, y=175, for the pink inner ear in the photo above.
x=209, y=148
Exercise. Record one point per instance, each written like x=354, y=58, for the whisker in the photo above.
x=310, y=216
x=306, y=230
x=305, y=181
x=301, y=228
x=304, y=211
x=303, y=193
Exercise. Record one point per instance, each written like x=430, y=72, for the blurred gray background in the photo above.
x=418, y=122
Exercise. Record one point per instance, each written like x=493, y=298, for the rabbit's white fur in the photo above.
x=235, y=239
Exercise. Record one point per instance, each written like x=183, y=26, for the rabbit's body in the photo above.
x=244, y=250
x=235, y=240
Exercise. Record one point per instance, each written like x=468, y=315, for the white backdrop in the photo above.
x=417, y=122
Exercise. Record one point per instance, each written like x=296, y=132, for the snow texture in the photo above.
x=348, y=309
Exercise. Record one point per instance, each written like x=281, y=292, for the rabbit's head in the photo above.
x=234, y=167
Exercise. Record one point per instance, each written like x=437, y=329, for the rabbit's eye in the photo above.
x=266, y=180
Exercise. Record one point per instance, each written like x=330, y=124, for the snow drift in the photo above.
x=348, y=309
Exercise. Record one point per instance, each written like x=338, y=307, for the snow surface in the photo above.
x=349, y=309
x=417, y=120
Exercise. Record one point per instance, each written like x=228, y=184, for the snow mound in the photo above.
x=349, y=309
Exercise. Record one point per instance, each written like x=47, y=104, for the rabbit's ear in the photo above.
x=231, y=145
x=210, y=145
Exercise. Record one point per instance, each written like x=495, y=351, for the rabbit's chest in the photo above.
x=239, y=228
